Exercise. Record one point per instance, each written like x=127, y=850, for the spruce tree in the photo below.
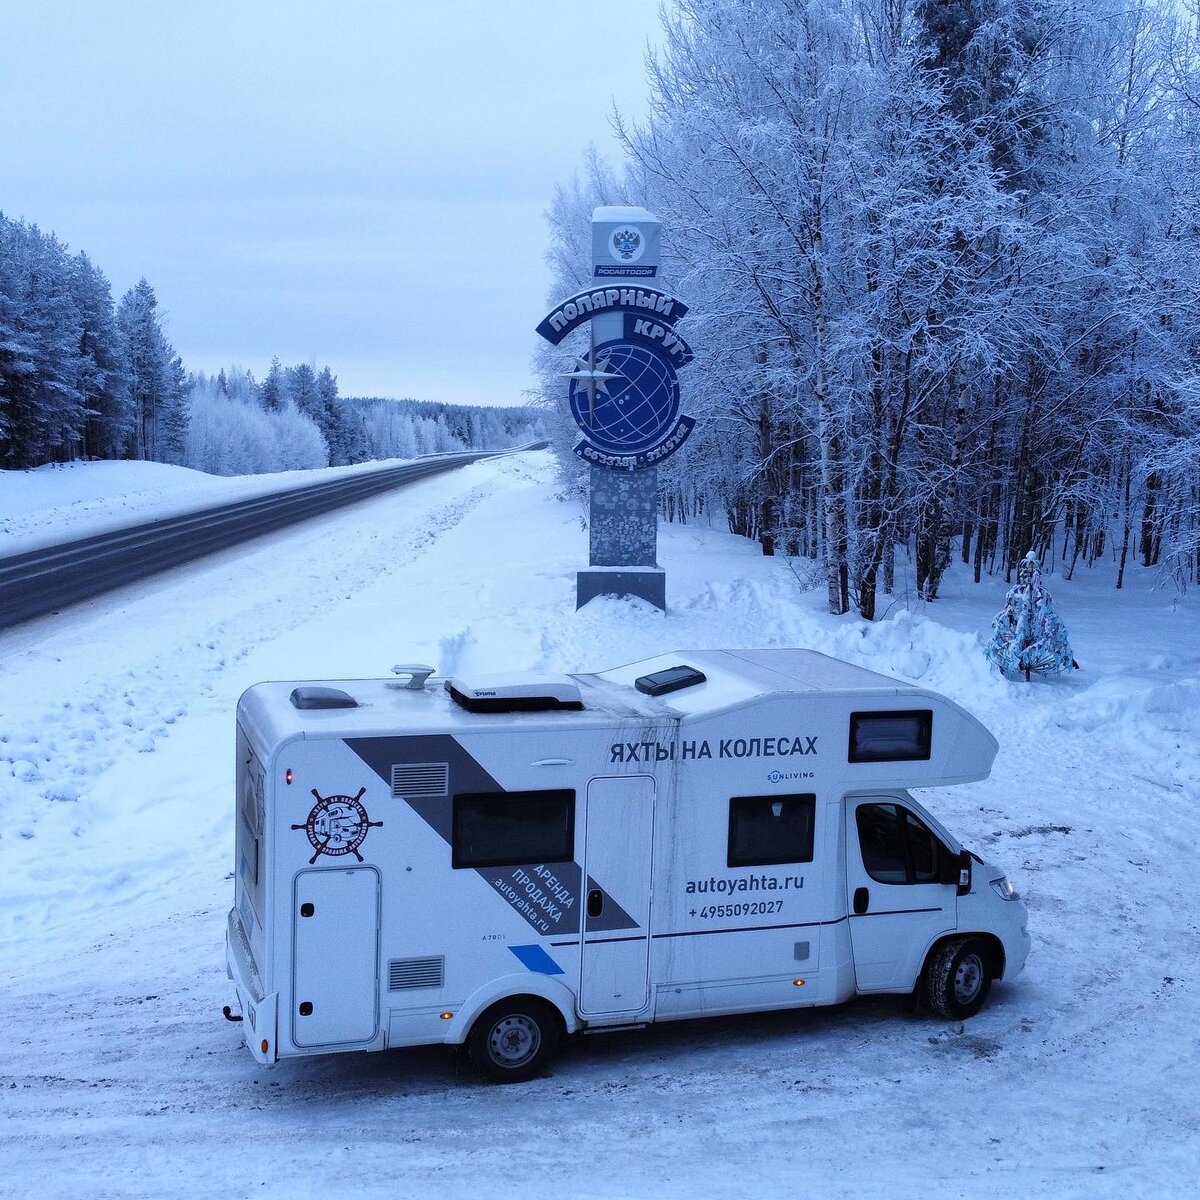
x=103, y=378
x=156, y=377
x=274, y=388
x=1027, y=634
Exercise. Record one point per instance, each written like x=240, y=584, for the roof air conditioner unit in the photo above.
x=515, y=693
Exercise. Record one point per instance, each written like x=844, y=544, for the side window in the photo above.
x=905, y=736
x=881, y=838
x=897, y=847
x=506, y=829
x=771, y=829
x=923, y=857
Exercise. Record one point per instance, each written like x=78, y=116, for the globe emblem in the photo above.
x=633, y=412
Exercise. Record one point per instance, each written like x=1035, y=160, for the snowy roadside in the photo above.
x=116, y=771
x=62, y=502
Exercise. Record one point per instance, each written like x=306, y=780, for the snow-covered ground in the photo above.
x=60, y=502
x=118, y=1076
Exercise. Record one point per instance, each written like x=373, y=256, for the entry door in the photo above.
x=618, y=849
x=897, y=907
x=335, y=972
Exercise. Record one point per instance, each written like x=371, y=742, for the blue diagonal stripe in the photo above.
x=536, y=959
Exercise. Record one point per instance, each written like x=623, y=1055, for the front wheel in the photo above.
x=957, y=979
x=513, y=1040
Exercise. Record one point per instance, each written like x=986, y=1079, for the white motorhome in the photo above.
x=499, y=862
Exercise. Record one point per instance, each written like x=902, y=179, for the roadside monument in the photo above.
x=624, y=396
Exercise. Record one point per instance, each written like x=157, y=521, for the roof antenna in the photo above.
x=417, y=674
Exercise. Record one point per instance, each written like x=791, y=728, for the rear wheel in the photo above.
x=957, y=979
x=513, y=1040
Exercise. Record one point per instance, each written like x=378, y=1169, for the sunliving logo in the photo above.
x=786, y=776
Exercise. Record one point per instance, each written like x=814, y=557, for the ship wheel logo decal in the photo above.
x=337, y=825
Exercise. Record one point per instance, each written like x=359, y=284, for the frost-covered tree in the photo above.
x=334, y=422
x=940, y=260
x=156, y=377
x=1027, y=634
x=824, y=200
x=409, y=428
x=749, y=151
x=102, y=371
x=301, y=389
x=274, y=386
x=229, y=433
x=42, y=407
x=17, y=365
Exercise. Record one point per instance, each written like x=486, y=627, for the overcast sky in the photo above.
x=360, y=184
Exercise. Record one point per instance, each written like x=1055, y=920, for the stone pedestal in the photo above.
x=624, y=518
x=624, y=538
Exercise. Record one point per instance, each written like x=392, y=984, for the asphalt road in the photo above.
x=46, y=580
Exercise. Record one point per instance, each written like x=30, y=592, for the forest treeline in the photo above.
x=942, y=259
x=84, y=377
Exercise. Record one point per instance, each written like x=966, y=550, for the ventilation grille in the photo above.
x=407, y=973
x=420, y=779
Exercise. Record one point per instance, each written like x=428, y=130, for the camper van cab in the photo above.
x=498, y=862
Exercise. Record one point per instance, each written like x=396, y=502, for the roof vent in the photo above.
x=322, y=697
x=515, y=693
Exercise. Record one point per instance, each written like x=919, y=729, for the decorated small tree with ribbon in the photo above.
x=1027, y=634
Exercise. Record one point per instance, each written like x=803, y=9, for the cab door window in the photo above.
x=898, y=847
x=925, y=853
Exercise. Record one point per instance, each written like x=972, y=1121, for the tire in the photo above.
x=512, y=1041
x=957, y=979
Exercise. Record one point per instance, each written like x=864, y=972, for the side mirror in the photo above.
x=957, y=871
x=964, y=872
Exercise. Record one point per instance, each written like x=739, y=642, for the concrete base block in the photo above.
x=647, y=583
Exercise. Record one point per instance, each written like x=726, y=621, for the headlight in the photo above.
x=1004, y=889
